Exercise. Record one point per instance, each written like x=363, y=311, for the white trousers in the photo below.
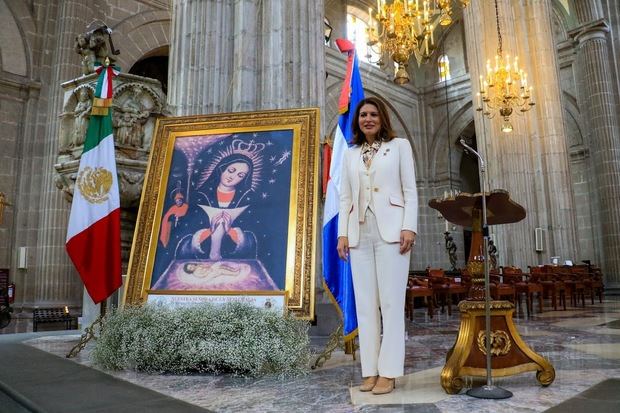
x=380, y=274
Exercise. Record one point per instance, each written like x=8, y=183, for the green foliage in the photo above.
x=232, y=338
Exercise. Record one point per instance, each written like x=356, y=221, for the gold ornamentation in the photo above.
x=545, y=377
x=95, y=184
x=406, y=28
x=476, y=268
x=466, y=306
x=519, y=359
x=505, y=89
x=500, y=342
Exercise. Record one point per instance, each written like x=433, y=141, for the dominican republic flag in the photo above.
x=337, y=273
x=94, y=233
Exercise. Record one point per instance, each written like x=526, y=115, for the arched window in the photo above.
x=357, y=23
x=443, y=65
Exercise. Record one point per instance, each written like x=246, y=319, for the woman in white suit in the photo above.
x=377, y=228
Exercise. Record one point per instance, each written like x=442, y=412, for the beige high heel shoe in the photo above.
x=384, y=385
x=368, y=383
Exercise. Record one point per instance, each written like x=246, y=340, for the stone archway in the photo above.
x=143, y=35
x=155, y=66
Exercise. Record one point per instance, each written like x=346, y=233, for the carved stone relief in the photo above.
x=74, y=118
x=134, y=104
x=130, y=187
x=92, y=46
x=137, y=103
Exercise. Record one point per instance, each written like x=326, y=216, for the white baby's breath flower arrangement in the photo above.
x=232, y=338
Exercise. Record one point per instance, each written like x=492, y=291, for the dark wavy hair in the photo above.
x=386, y=133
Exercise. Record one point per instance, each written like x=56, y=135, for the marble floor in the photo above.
x=583, y=345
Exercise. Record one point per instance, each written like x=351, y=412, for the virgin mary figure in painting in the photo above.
x=225, y=191
x=222, y=255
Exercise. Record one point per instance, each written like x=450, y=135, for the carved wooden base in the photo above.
x=509, y=354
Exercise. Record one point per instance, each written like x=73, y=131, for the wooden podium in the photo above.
x=509, y=354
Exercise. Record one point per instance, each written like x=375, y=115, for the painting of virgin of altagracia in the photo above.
x=229, y=211
x=225, y=219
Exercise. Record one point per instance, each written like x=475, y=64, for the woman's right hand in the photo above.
x=343, y=248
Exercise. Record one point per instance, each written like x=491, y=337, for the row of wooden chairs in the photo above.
x=556, y=283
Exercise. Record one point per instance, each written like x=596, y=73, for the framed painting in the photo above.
x=229, y=211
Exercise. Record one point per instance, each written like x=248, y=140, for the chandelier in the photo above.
x=505, y=89
x=407, y=28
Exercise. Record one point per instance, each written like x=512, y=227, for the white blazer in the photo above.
x=395, y=197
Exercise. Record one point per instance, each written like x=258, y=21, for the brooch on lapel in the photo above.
x=386, y=151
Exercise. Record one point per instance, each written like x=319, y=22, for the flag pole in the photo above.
x=337, y=274
x=336, y=341
x=89, y=332
x=99, y=135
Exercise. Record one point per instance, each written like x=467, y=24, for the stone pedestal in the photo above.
x=137, y=103
x=509, y=354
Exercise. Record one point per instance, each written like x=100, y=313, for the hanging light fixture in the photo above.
x=505, y=88
x=407, y=28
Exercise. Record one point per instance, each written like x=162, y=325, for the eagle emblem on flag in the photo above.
x=95, y=184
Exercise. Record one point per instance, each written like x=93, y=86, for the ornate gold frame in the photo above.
x=302, y=231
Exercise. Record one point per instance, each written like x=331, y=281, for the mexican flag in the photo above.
x=94, y=233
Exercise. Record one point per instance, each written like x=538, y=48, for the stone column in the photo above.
x=246, y=55
x=531, y=162
x=55, y=280
x=201, y=56
x=293, y=58
x=548, y=130
x=602, y=123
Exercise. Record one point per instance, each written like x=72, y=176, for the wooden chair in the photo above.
x=592, y=281
x=418, y=287
x=445, y=288
x=553, y=288
x=523, y=286
x=575, y=288
x=499, y=289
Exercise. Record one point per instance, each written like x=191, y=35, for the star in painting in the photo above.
x=272, y=158
x=269, y=143
x=264, y=195
x=255, y=135
x=285, y=155
x=273, y=171
x=272, y=181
